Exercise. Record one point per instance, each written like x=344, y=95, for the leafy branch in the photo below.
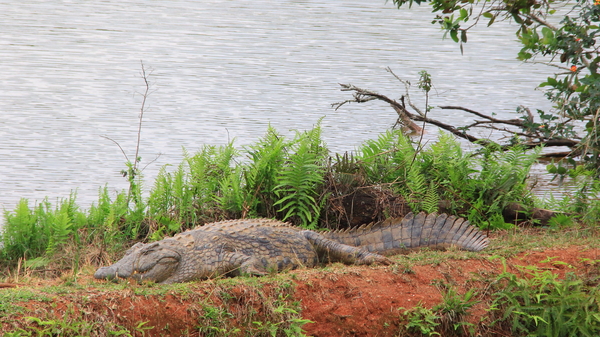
x=569, y=45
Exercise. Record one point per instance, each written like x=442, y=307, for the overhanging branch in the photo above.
x=532, y=138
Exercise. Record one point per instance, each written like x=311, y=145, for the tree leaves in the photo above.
x=570, y=45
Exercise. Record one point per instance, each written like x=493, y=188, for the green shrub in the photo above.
x=477, y=187
x=541, y=304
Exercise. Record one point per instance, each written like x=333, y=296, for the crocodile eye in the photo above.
x=150, y=249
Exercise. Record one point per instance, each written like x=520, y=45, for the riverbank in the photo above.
x=333, y=300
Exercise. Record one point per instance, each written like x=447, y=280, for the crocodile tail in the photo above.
x=394, y=236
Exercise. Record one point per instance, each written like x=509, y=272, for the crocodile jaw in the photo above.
x=122, y=268
x=145, y=262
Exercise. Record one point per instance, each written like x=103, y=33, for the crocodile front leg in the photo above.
x=337, y=252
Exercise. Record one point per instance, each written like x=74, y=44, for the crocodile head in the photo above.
x=155, y=262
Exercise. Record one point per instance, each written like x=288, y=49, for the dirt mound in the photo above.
x=338, y=300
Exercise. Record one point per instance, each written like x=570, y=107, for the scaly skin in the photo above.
x=394, y=236
x=257, y=246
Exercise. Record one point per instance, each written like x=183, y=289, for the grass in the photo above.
x=242, y=306
x=9, y=301
x=509, y=243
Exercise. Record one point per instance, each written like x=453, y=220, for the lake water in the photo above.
x=70, y=74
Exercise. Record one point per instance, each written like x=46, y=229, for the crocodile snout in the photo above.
x=110, y=273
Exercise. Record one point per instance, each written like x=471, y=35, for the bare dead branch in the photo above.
x=144, y=75
x=119, y=145
x=533, y=138
x=152, y=161
x=362, y=95
x=515, y=122
x=406, y=91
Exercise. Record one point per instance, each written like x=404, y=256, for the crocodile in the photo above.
x=260, y=246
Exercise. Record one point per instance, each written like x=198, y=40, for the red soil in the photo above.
x=340, y=300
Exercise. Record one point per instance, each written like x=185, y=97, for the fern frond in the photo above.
x=431, y=199
x=60, y=229
x=301, y=177
x=267, y=157
x=417, y=188
x=372, y=148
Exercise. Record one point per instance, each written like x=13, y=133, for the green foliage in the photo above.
x=75, y=326
x=543, y=305
x=214, y=322
x=444, y=319
x=208, y=168
x=419, y=194
x=385, y=159
x=30, y=233
x=392, y=159
x=584, y=202
x=9, y=300
x=482, y=186
x=106, y=216
x=281, y=178
x=300, y=179
x=267, y=158
x=289, y=322
x=209, y=185
x=287, y=318
x=454, y=308
x=277, y=316
x=580, y=202
x=477, y=187
x=22, y=236
x=570, y=45
x=37, y=235
x=422, y=320
x=535, y=302
x=192, y=193
x=454, y=305
x=64, y=327
x=501, y=180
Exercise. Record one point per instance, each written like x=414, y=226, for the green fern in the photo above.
x=260, y=174
x=502, y=180
x=230, y=196
x=444, y=164
x=371, y=149
x=297, y=189
x=416, y=188
x=60, y=229
x=387, y=158
x=431, y=199
x=193, y=192
x=405, y=153
x=301, y=178
x=22, y=237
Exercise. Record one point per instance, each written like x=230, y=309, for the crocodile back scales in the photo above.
x=394, y=236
